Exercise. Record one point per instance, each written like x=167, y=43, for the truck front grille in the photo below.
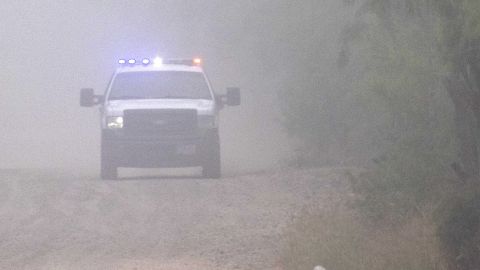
x=160, y=122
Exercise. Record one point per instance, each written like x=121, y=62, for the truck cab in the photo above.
x=159, y=113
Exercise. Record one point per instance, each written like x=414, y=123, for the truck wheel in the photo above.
x=212, y=167
x=108, y=169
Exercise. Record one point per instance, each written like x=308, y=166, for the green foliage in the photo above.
x=390, y=101
x=458, y=221
x=407, y=181
x=472, y=18
x=410, y=55
x=336, y=239
x=395, y=56
x=402, y=81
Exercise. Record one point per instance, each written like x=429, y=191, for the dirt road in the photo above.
x=62, y=220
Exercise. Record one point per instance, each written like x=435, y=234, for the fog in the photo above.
x=357, y=131
x=51, y=49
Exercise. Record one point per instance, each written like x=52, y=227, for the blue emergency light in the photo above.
x=160, y=61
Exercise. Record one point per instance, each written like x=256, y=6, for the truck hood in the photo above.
x=117, y=107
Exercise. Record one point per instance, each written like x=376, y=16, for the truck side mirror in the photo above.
x=88, y=98
x=233, y=96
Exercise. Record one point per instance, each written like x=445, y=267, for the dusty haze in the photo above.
x=354, y=113
x=64, y=217
x=51, y=49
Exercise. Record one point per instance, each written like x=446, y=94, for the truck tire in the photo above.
x=108, y=168
x=212, y=167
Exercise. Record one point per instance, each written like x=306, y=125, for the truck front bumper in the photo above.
x=178, y=151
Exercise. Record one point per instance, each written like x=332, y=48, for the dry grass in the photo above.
x=336, y=239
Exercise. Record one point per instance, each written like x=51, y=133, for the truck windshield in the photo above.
x=160, y=85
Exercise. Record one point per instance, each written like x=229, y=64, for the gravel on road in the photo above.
x=64, y=220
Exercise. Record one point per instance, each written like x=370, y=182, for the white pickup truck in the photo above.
x=160, y=113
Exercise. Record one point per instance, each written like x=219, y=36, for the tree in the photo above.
x=459, y=44
x=454, y=30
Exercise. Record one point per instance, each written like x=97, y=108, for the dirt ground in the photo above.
x=64, y=220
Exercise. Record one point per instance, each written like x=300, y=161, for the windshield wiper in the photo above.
x=178, y=97
x=126, y=97
x=174, y=97
x=163, y=97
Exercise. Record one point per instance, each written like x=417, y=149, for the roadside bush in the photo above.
x=398, y=114
x=458, y=222
x=337, y=239
x=403, y=183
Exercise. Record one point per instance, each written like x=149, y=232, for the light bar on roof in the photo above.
x=157, y=61
x=197, y=61
x=183, y=62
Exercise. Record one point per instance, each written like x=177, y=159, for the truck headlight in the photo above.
x=207, y=121
x=115, y=122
